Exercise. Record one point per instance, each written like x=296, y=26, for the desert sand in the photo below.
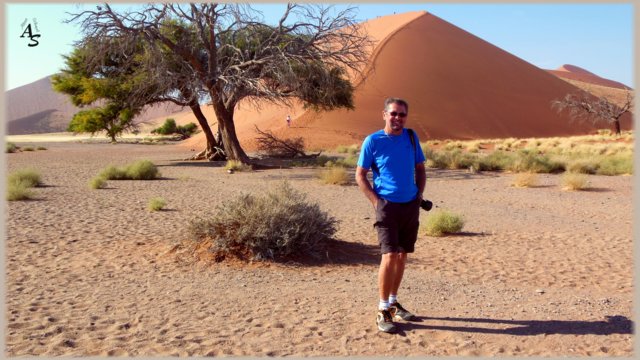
x=537, y=271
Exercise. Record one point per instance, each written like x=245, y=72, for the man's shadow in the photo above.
x=612, y=325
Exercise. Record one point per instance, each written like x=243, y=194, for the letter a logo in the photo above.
x=28, y=31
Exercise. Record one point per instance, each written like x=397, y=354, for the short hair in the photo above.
x=398, y=101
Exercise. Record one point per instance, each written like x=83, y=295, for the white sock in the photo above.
x=393, y=299
x=383, y=305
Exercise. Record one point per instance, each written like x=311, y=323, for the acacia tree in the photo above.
x=109, y=86
x=587, y=107
x=229, y=56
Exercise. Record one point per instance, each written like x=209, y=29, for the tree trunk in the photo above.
x=617, y=125
x=213, y=150
x=227, y=130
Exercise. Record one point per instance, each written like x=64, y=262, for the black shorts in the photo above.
x=397, y=225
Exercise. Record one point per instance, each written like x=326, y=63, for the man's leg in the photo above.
x=398, y=272
x=387, y=274
x=386, y=278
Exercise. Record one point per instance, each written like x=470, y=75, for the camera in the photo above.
x=426, y=205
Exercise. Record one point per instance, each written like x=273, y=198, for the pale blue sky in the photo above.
x=596, y=37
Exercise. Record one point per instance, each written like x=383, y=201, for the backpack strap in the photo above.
x=413, y=143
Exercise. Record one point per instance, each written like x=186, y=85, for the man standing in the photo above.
x=399, y=179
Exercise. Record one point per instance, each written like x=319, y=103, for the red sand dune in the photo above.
x=458, y=87
x=573, y=72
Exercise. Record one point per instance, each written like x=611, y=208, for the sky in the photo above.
x=596, y=37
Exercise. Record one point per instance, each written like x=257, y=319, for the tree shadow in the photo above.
x=196, y=163
x=617, y=324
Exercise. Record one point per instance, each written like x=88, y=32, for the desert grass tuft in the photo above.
x=237, y=165
x=19, y=190
x=139, y=170
x=335, y=175
x=615, y=165
x=351, y=149
x=442, y=222
x=273, y=226
x=28, y=148
x=574, y=181
x=97, y=183
x=28, y=177
x=525, y=180
x=156, y=204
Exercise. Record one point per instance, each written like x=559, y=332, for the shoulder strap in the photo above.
x=413, y=140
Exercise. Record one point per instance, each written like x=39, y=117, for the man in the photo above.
x=398, y=183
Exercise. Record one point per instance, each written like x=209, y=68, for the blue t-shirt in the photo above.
x=396, y=161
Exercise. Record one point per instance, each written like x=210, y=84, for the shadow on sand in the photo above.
x=612, y=325
x=340, y=252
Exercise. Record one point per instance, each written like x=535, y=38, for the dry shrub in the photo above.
x=275, y=226
x=525, y=180
x=335, y=175
x=574, y=181
x=273, y=146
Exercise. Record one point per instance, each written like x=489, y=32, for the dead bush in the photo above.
x=276, y=226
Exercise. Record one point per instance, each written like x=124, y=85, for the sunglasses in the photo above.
x=401, y=115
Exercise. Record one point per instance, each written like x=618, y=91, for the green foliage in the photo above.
x=442, y=222
x=156, y=204
x=277, y=225
x=114, y=84
x=28, y=177
x=169, y=127
x=139, y=170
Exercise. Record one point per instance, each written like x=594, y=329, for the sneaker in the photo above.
x=384, y=322
x=400, y=313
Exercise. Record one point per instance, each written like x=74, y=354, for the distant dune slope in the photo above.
x=35, y=108
x=572, y=72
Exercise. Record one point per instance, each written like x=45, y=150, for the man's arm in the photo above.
x=421, y=179
x=365, y=185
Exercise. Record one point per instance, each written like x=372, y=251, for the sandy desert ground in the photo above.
x=537, y=271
